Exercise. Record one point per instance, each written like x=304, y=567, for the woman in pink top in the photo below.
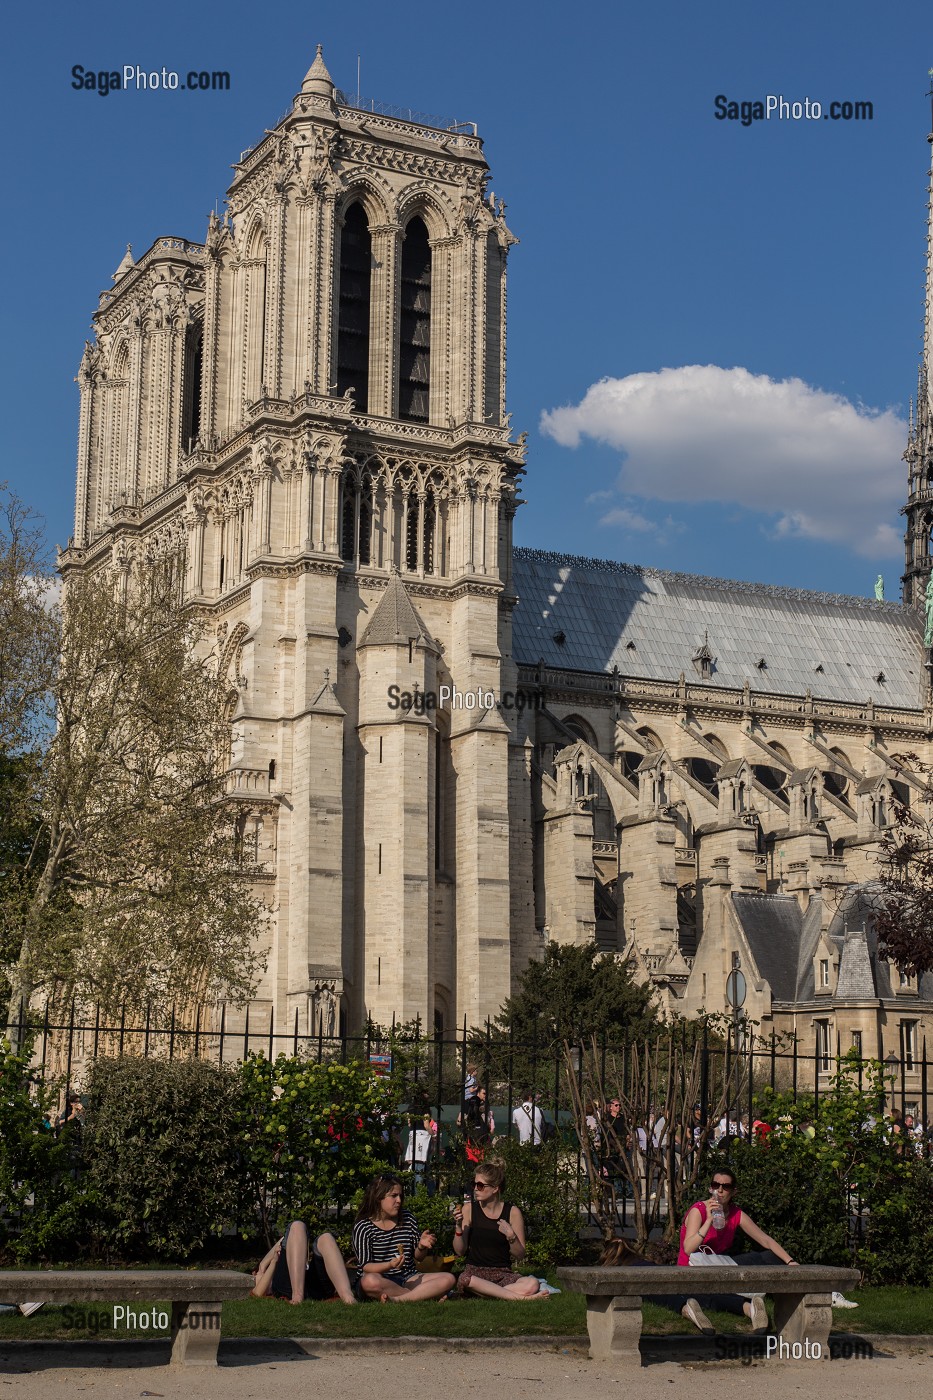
x=698, y=1234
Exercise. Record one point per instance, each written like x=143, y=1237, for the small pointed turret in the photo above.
x=317, y=79
x=127, y=264
x=396, y=620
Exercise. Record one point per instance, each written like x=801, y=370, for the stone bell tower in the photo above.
x=306, y=414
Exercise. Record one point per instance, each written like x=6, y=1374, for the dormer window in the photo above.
x=761, y=664
x=703, y=660
x=824, y=972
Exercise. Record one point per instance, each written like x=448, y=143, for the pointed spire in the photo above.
x=919, y=451
x=317, y=79
x=127, y=264
x=396, y=620
x=925, y=395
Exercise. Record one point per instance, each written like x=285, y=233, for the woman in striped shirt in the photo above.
x=388, y=1244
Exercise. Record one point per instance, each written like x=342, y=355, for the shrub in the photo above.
x=312, y=1135
x=41, y=1204
x=804, y=1190
x=161, y=1154
x=898, y=1239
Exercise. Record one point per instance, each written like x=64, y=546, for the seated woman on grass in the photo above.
x=491, y=1233
x=303, y=1272
x=388, y=1244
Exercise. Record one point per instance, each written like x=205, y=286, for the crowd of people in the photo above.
x=489, y=1236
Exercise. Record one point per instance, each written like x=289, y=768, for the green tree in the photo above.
x=806, y=1191
x=29, y=641
x=131, y=892
x=574, y=993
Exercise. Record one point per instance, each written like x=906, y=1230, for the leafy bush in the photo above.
x=41, y=1204
x=161, y=1156
x=312, y=1136
x=805, y=1190
x=898, y=1242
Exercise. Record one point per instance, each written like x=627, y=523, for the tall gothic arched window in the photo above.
x=356, y=520
x=495, y=268
x=411, y=541
x=353, y=307
x=414, y=357
x=191, y=391
x=256, y=266
x=430, y=529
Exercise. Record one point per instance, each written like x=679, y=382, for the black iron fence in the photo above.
x=438, y=1072
x=625, y=1126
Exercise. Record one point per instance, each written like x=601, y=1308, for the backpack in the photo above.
x=476, y=1125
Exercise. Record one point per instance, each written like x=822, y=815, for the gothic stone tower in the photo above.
x=306, y=415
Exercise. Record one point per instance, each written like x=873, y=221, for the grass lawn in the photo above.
x=891, y=1310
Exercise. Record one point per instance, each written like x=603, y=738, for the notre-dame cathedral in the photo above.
x=447, y=749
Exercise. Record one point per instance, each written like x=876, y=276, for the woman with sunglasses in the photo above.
x=701, y=1234
x=491, y=1233
x=388, y=1244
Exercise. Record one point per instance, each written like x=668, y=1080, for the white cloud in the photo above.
x=826, y=468
x=635, y=522
x=630, y=520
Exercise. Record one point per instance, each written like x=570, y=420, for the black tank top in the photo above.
x=488, y=1248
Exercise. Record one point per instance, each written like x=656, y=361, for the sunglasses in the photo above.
x=483, y=1184
x=723, y=1186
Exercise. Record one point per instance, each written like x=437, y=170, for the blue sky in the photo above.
x=753, y=294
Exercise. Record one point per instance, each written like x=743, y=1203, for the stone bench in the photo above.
x=802, y=1298
x=196, y=1297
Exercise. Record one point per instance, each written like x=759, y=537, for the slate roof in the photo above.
x=783, y=943
x=395, y=619
x=772, y=924
x=601, y=607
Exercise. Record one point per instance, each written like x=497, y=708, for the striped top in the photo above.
x=371, y=1245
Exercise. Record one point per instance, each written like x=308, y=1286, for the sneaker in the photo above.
x=840, y=1302
x=758, y=1313
x=692, y=1311
x=27, y=1309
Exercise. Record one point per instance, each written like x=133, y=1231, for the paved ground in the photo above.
x=289, y=1373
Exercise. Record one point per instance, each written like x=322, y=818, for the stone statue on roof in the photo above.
x=928, y=606
x=879, y=588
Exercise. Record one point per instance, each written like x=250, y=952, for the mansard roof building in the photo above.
x=305, y=414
